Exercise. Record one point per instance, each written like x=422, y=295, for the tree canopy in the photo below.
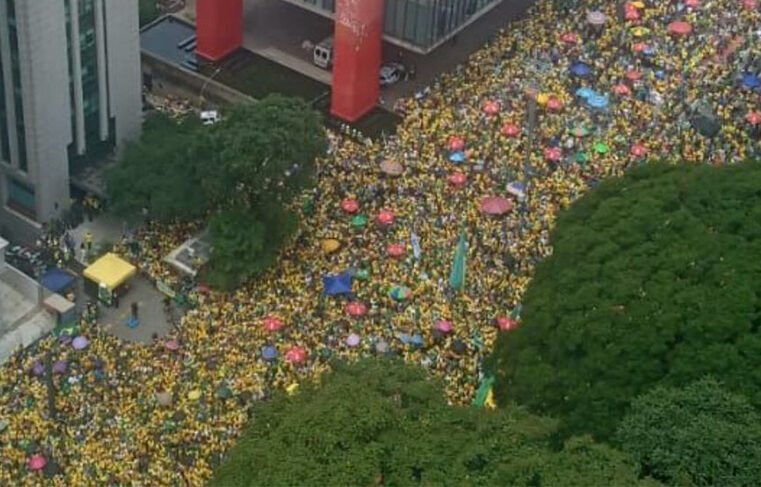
x=655, y=278
x=699, y=435
x=381, y=422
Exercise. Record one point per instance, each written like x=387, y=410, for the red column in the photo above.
x=219, y=27
x=357, y=57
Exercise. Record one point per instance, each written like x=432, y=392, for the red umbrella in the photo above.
x=753, y=118
x=750, y=4
x=631, y=14
x=569, y=38
x=350, y=205
x=552, y=153
x=554, y=104
x=457, y=179
x=638, y=150
x=296, y=355
x=633, y=74
x=395, y=250
x=496, y=205
x=692, y=3
x=36, y=462
x=510, y=130
x=456, y=143
x=506, y=324
x=621, y=89
x=639, y=47
x=491, y=107
x=679, y=28
x=356, y=309
x=272, y=324
x=386, y=217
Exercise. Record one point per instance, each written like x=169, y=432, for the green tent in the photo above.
x=457, y=276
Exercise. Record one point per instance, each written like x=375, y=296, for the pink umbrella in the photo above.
x=554, y=104
x=679, y=28
x=272, y=324
x=36, y=462
x=633, y=74
x=621, y=89
x=457, y=179
x=491, y=107
x=353, y=340
x=753, y=118
x=569, y=38
x=750, y=4
x=395, y=250
x=296, y=355
x=506, y=324
x=386, y=217
x=444, y=326
x=356, y=309
x=638, y=150
x=552, y=153
x=172, y=345
x=692, y=3
x=496, y=205
x=350, y=205
x=456, y=143
x=510, y=130
x=631, y=14
x=639, y=47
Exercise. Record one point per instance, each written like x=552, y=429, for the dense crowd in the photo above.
x=608, y=93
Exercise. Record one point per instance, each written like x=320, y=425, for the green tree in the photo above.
x=654, y=279
x=382, y=422
x=699, y=435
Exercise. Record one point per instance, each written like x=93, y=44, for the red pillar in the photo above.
x=357, y=57
x=219, y=27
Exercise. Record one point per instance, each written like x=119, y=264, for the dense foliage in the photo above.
x=655, y=278
x=699, y=435
x=244, y=171
x=381, y=422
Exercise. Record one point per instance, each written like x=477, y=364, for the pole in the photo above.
x=206, y=83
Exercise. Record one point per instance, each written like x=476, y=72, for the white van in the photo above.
x=323, y=53
x=210, y=117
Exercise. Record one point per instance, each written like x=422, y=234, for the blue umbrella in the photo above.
x=597, y=101
x=585, y=92
x=581, y=70
x=751, y=81
x=269, y=353
x=337, y=284
x=457, y=157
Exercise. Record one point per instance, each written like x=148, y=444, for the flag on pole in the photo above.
x=415, y=246
x=457, y=276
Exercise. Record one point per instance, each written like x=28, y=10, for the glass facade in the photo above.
x=17, y=93
x=423, y=23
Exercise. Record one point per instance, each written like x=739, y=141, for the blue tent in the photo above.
x=750, y=80
x=57, y=280
x=581, y=70
x=337, y=284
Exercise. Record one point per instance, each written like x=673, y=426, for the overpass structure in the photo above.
x=360, y=28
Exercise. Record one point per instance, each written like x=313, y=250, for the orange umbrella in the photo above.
x=356, y=308
x=679, y=28
x=457, y=179
x=491, y=107
x=496, y=205
x=753, y=118
x=296, y=355
x=632, y=14
x=350, y=205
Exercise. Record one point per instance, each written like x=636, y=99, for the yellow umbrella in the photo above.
x=330, y=245
x=639, y=5
x=542, y=98
x=194, y=395
x=640, y=31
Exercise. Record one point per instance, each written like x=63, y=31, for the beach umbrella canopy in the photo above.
x=172, y=345
x=36, y=462
x=639, y=47
x=596, y=18
x=457, y=157
x=569, y=38
x=269, y=353
x=631, y=14
x=386, y=217
x=692, y=3
x=581, y=157
x=358, y=221
x=506, y=324
x=330, y=245
x=633, y=75
x=640, y=31
x=621, y=89
x=679, y=28
x=554, y=103
x=353, y=340
x=495, y=205
x=400, y=293
x=753, y=118
x=296, y=355
x=510, y=130
x=457, y=274
x=444, y=326
x=585, y=92
x=491, y=107
x=598, y=101
x=750, y=4
x=750, y=80
x=517, y=189
x=395, y=250
x=455, y=143
x=552, y=153
x=580, y=69
x=272, y=324
x=356, y=309
x=223, y=392
x=542, y=98
x=334, y=285
x=391, y=167
x=350, y=205
x=457, y=179
x=638, y=150
x=80, y=343
x=601, y=148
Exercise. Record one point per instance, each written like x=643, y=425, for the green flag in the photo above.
x=457, y=276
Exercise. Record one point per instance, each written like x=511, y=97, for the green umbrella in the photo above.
x=581, y=157
x=359, y=221
x=457, y=276
x=601, y=148
x=400, y=293
x=362, y=274
x=224, y=392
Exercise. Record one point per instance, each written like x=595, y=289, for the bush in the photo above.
x=655, y=278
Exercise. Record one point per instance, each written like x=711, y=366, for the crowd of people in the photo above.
x=555, y=103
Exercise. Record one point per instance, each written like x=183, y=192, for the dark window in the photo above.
x=21, y=198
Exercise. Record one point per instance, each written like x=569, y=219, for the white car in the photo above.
x=390, y=73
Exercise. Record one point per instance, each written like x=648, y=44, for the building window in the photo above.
x=16, y=80
x=21, y=198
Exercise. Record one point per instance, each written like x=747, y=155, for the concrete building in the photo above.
x=70, y=86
